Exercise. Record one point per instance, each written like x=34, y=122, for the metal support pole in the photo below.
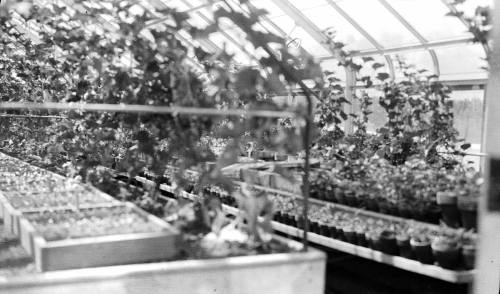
x=488, y=254
x=305, y=180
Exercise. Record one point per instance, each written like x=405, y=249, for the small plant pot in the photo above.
x=350, y=236
x=419, y=214
x=339, y=195
x=423, y=251
x=278, y=216
x=433, y=214
x=314, y=194
x=332, y=231
x=324, y=230
x=330, y=195
x=388, y=243
x=321, y=195
x=350, y=198
x=371, y=204
x=300, y=223
x=468, y=211
x=405, y=211
x=469, y=219
x=314, y=227
x=376, y=243
x=469, y=256
x=388, y=208
x=361, y=239
x=340, y=234
x=404, y=247
x=287, y=218
x=448, y=258
x=449, y=210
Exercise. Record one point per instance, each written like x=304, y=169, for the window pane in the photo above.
x=378, y=22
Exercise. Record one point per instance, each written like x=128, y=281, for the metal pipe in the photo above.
x=134, y=108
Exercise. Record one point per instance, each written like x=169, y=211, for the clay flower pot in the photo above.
x=324, y=230
x=388, y=242
x=350, y=198
x=469, y=255
x=350, y=234
x=404, y=247
x=422, y=249
x=447, y=200
x=446, y=252
x=467, y=205
x=339, y=195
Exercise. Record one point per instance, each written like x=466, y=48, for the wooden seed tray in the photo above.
x=100, y=250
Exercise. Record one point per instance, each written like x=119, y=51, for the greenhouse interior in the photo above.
x=249, y=146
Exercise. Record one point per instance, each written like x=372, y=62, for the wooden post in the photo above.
x=488, y=254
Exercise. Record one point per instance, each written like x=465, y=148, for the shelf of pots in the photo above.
x=286, y=268
x=425, y=195
x=409, y=245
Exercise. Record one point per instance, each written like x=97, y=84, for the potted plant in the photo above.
x=467, y=205
x=447, y=200
x=350, y=194
x=349, y=232
x=339, y=193
x=421, y=245
x=360, y=230
x=388, y=242
x=446, y=249
x=469, y=242
x=404, y=247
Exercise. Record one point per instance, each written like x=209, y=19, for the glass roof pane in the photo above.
x=231, y=48
x=435, y=25
x=469, y=67
x=378, y=22
x=295, y=32
x=420, y=59
x=325, y=17
x=272, y=9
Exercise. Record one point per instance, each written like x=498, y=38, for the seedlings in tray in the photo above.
x=59, y=225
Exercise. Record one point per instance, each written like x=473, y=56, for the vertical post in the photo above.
x=305, y=180
x=488, y=254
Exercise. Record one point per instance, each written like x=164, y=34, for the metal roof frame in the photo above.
x=414, y=32
x=409, y=48
x=315, y=32
x=365, y=34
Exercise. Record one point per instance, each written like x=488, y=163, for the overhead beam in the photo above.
x=407, y=48
x=304, y=22
x=365, y=34
x=152, y=109
x=454, y=10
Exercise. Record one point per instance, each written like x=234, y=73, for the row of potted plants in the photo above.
x=449, y=248
x=413, y=190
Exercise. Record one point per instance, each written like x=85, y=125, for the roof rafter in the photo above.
x=365, y=34
x=408, y=48
x=414, y=32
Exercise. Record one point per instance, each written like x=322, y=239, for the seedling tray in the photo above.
x=11, y=214
x=105, y=250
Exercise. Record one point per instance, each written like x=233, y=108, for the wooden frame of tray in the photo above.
x=286, y=273
x=12, y=215
x=100, y=250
